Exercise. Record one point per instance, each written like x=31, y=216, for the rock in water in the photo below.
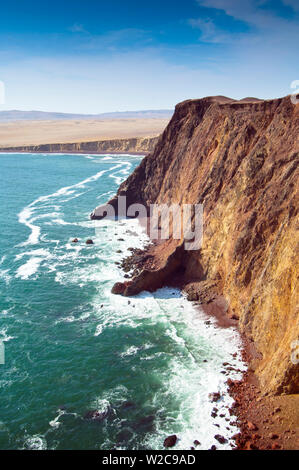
x=89, y=242
x=75, y=240
x=220, y=439
x=96, y=415
x=170, y=441
x=214, y=396
x=118, y=288
x=128, y=405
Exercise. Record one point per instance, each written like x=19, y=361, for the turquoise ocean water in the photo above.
x=148, y=363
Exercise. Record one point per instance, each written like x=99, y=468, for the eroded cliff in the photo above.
x=131, y=145
x=240, y=160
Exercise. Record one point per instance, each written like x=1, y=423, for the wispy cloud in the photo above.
x=78, y=28
x=266, y=26
x=210, y=32
x=232, y=47
x=252, y=12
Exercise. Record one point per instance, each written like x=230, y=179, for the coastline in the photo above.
x=75, y=152
x=265, y=422
x=132, y=145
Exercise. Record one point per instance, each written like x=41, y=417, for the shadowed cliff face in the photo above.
x=240, y=160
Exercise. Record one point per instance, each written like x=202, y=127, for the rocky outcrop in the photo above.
x=170, y=441
x=132, y=145
x=240, y=160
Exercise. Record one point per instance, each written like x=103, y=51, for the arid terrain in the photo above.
x=34, y=133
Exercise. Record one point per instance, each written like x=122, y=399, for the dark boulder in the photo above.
x=124, y=436
x=146, y=423
x=170, y=441
x=220, y=439
x=215, y=396
x=128, y=405
x=96, y=415
x=89, y=241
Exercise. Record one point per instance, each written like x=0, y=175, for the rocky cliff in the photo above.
x=131, y=145
x=240, y=160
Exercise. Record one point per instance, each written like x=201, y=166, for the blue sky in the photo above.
x=116, y=55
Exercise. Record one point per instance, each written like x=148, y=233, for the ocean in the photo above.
x=147, y=363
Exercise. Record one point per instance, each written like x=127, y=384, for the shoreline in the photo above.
x=53, y=152
x=131, y=145
x=265, y=422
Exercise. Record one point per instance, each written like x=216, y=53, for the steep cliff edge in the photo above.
x=240, y=160
x=131, y=145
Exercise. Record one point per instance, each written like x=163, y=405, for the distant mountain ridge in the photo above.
x=16, y=115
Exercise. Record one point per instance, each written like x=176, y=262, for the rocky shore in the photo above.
x=240, y=159
x=266, y=422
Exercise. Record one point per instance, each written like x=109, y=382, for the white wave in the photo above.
x=106, y=195
x=99, y=330
x=55, y=423
x=59, y=221
x=131, y=351
x=121, y=174
x=4, y=336
x=110, y=397
x=26, y=216
x=68, y=319
x=72, y=318
x=29, y=268
x=39, y=252
x=187, y=380
x=36, y=442
x=4, y=274
x=6, y=311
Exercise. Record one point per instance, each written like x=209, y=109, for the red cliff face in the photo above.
x=240, y=160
